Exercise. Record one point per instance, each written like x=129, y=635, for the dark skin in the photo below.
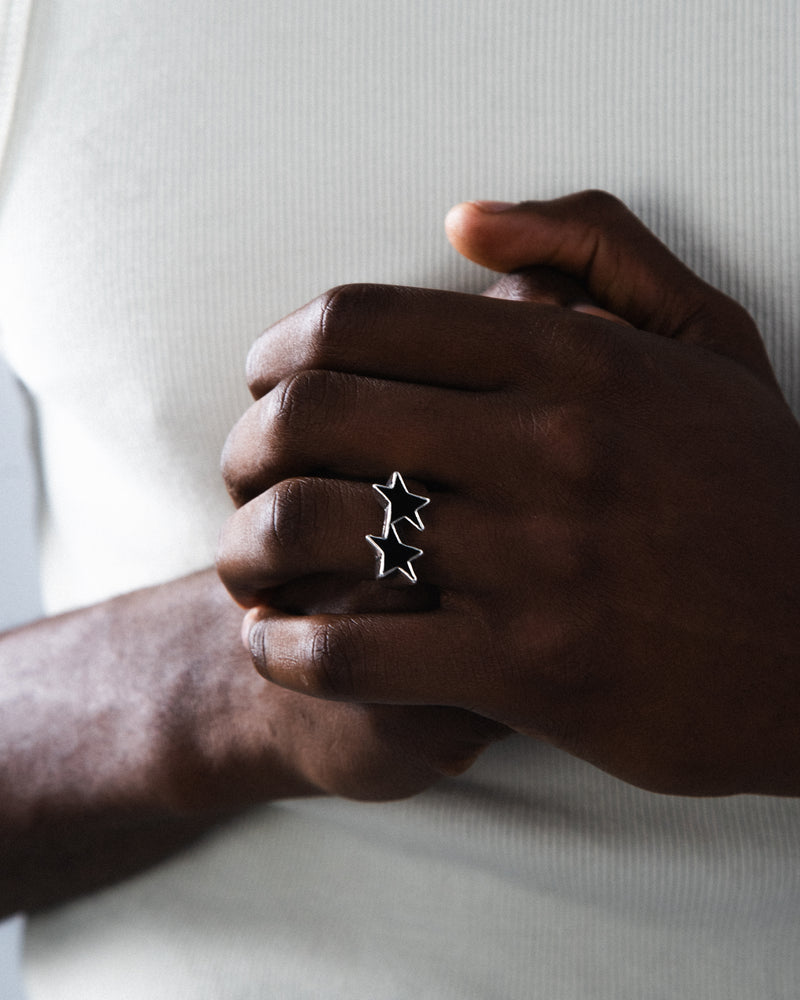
x=616, y=615
x=611, y=550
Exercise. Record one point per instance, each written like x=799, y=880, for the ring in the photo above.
x=400, y=505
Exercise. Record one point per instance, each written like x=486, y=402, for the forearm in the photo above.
x=122, y=729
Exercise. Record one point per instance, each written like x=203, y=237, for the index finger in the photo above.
x=447, y=339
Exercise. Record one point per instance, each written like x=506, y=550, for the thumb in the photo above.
x=623, y=265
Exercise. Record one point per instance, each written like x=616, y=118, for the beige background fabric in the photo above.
x=179, y=175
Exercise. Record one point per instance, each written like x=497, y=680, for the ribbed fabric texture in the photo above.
x=177, y=176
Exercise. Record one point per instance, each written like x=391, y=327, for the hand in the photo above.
x=612, y=541
x=228, y=739
x=368, y=751
x=371, y=752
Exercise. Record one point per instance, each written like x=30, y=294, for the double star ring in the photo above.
x=400, y=504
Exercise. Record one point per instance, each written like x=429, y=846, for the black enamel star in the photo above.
x=400, y=503
x=394, y=554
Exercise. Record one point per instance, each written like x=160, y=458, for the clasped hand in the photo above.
x=612, y=547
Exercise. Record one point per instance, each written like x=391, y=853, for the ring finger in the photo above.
x=304, y=527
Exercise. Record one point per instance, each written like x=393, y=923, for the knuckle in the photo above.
x=336, y=309
x=335, y=655
x=291, y=513
x=341, y=310
x=253, y=366
x=225, y=554
x=225, y=558
x=589, y=204
x=589, y=458
x=594, y=203
x=258, y=647
x=300, y=405
x=227, y=465
x=231, y=469
x=243, y=581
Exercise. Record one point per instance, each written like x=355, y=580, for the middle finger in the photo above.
x=323, y=423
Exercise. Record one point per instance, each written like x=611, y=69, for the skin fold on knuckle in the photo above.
x=255, y=372
x=230, y=567
x=291, y=515
x=336, y=315
x=258, y=645
x=234, y=472
x=343, y=310
x=297, y=412
x=292, y=415
x=335, y=653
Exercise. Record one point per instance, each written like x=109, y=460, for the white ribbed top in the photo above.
x=178, y=175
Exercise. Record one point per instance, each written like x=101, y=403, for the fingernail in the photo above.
x=494, y=206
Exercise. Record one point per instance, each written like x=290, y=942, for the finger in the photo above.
x=307, y=527
x=298, y=528
x=344, y=426
x=417, y=335
x=418, y=659
x=595, y=238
